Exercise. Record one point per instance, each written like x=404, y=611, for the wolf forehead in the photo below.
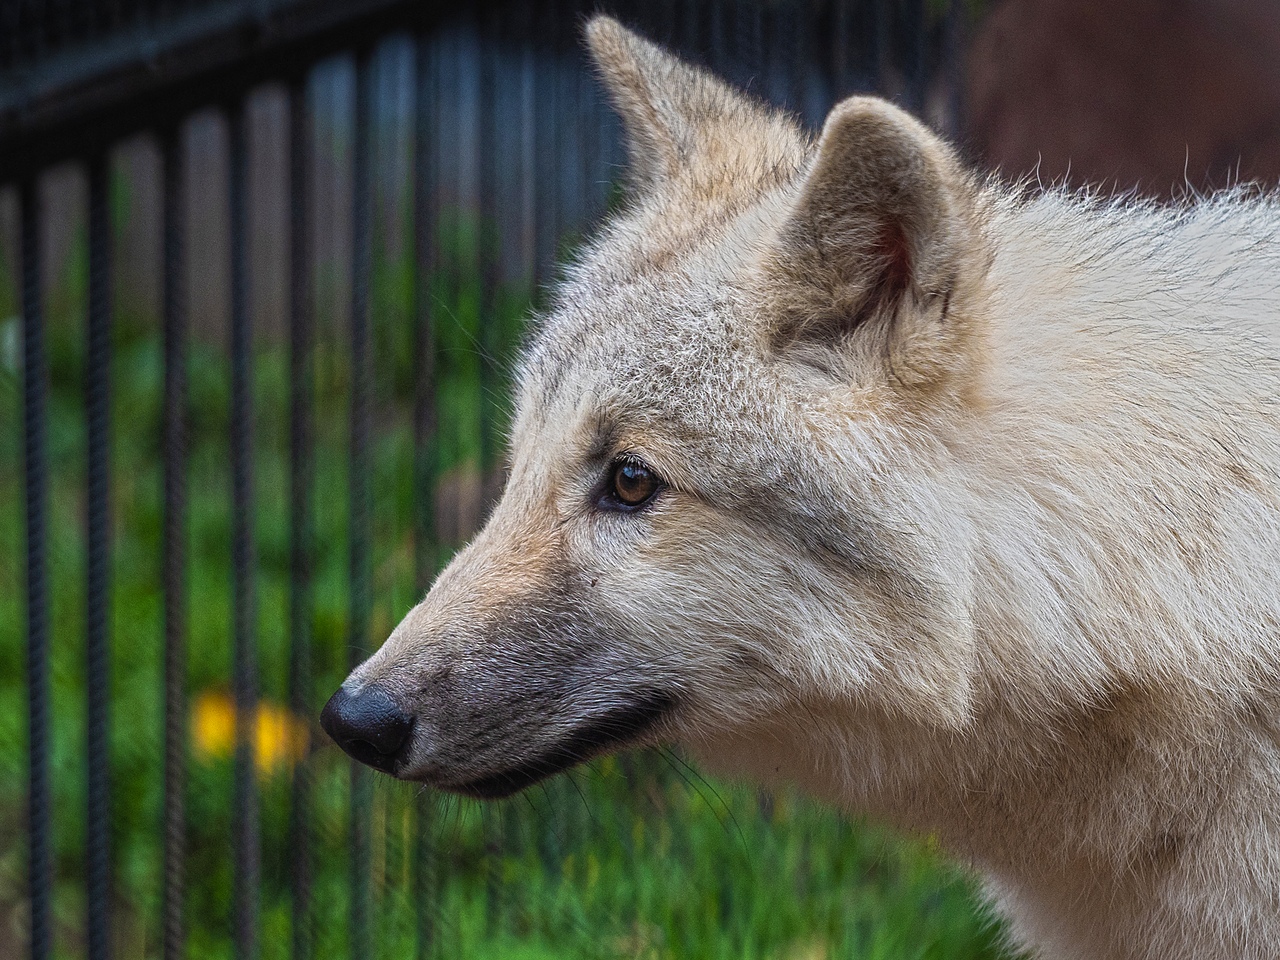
x=674, y=349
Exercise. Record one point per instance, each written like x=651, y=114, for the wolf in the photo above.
x=953, y=502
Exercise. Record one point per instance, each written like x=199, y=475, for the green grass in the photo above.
x=630, y=857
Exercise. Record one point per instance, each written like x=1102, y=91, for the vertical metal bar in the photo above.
x=802, y=61
x=244, y=654
x=594, y=192
x=882, y=44
x=716, y=43
x=174, y=443
x=12, y=44
x=301, y=531
x=425, y=219
x=541, y=127
x=917, y=16
x=780, y=62
x=689, y=33
x=97, y=593
x=661, y=25
x=840, y=33
x=487, y=250
x=957, y=26
x=562, y=112
x=488, y=343
x=546, y=197
x=580, y=129
x=488, y=239
x=39, y=865
x=361, y=375
x=750, y=32
x=528, y=150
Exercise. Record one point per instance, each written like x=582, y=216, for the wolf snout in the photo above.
x=368, y=725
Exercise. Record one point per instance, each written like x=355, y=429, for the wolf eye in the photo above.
x=632, y=484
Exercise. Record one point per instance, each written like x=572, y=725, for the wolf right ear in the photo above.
x=878, y=255
x=683, y=124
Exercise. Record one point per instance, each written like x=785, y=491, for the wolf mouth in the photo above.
x=613, y=729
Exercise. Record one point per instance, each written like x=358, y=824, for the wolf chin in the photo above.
x=954, y=503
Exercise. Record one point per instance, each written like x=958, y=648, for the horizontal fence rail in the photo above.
x=411, y=179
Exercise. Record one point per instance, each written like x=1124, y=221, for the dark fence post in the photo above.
x=40, y=864
x=917, y=16
x=426, y=224
x=488, y=237
x=529, y=185
x=487, y=345
x=301, y=528
x=174, y=449
x=97, y=593
x=244, y=667
x=957, y=27
x=881, y=44
x=547, y=154
x=840, y=39
x=361, y=377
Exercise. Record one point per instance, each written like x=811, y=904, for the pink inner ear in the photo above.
x=895, y=256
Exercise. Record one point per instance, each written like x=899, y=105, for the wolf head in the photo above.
x=729, y=468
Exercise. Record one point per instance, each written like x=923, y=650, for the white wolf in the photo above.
x=956, y=505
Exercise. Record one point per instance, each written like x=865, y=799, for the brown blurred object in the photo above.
x=1156, y=94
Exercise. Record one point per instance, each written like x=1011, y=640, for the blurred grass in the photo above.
x=631, y=857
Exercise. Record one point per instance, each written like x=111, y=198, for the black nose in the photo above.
x=369, y=726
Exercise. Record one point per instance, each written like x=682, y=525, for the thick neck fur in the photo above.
x=1123, y=753
x=1098, y=843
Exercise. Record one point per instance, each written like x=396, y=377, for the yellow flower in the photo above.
x=213, y=725
x=279, y=739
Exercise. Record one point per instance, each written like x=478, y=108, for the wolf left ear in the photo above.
x=685, y=127
x=880, y=240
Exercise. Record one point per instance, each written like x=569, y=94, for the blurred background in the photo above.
x=264, y=266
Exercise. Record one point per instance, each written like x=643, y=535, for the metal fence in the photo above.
x=487, y=120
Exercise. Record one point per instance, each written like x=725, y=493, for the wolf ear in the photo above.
x=880, y=240
x=678, y=118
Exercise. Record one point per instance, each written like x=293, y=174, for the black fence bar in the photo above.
x=301, y=523
x=841, y=31
x=594, y=165
x=917, y=25
x=40, y=862
x=882, y=52
x=546, y=142
x=718, y=38
x=174, y=451
x=488, y=240
x=426, y=216
x=953, y=64
x=569, y=162
x=244, y=652
x=526, y=155
x=97, y=594
x=486, y=253
x=359, y=520
x=426, y=224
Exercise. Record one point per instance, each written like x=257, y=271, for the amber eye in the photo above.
x=633, y=483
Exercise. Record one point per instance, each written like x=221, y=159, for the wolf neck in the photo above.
x=1078, y=823
x=1126, y=492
